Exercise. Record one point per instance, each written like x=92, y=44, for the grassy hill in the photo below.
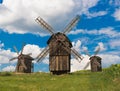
x=108, y=80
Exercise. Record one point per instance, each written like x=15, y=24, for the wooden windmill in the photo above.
x=24, y=64
x=95, y=61
x=59, y=48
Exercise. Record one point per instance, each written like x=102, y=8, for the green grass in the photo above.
x=78, y=81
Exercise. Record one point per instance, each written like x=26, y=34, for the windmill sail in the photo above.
x=71, y=24
x=40, y=21
x=24, y=61
x=59, y=48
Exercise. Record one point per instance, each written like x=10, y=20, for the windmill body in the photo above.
x=59, y=57
x=24, y=64
x=59, y=48
x=95, y=62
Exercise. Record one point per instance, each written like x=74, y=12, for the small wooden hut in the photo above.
x=59, y=54
x=24, y=64
x=95, y=62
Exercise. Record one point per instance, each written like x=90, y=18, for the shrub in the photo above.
x=113, y=71
x=5, y=74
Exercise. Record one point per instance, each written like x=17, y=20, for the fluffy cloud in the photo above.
x=117, y=14
x=101, y=46
x=19, y=16
x=108, y=59
x=77, y=45
x=76, y=66
x=6, y=55
x=108, y=31
x=115, y=3
x=115, y=43
x=9, y=68
x=1, y=45
x=96, y=14
x=34, y=49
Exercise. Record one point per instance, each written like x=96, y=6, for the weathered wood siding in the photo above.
x=94, y=66
x=59, y=63
x=59, y=57
x=28, y=62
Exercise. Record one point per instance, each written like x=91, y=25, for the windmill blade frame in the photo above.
x=22, y=48
x=29, y=54
x=97, y=51
x=45, y=25
x=71, y=24
x=73, y=51
x=76, y=53
x=88, y=63
x=97, y=63
x=15, y=48
x=13, y=58
x=43, y=54
x=87, y=53
x=23, y=64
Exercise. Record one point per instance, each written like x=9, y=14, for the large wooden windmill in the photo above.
x=95, y=61
x=24, y=64
x=59, y=48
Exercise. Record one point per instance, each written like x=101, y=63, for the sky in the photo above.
x=99, y=25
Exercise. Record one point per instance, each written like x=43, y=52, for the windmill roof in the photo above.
x=28, y=57
x=99, y=58
x=54, y=36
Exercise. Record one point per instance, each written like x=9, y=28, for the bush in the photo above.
x=5, y=74
x=113, y=71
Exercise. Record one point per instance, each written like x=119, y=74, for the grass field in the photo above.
x=78, y=81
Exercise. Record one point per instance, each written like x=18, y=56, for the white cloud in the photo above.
x=116, y=15
x=108, y=31
x=86, y=4
x=115, y=43
x=19, y=16
x=1, y=45
x=34, y=49
x=109, y=59
x=76, y=66
x=9, y=68
x=77, y=45
x=77, y=31
x=96, y=14
x=101, y=46
x=6, y=55
x=115, y=3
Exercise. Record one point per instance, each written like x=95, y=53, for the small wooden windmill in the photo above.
x=59, y=48
x=95, y=61
x=24, y=64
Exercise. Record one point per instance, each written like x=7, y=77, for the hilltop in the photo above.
x=107, y=80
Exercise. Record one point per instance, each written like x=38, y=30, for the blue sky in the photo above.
x=99, y=25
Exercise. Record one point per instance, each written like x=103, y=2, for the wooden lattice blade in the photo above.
x=46, y=26
x=71, y=24
x=13, y=58
x=16, y=49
